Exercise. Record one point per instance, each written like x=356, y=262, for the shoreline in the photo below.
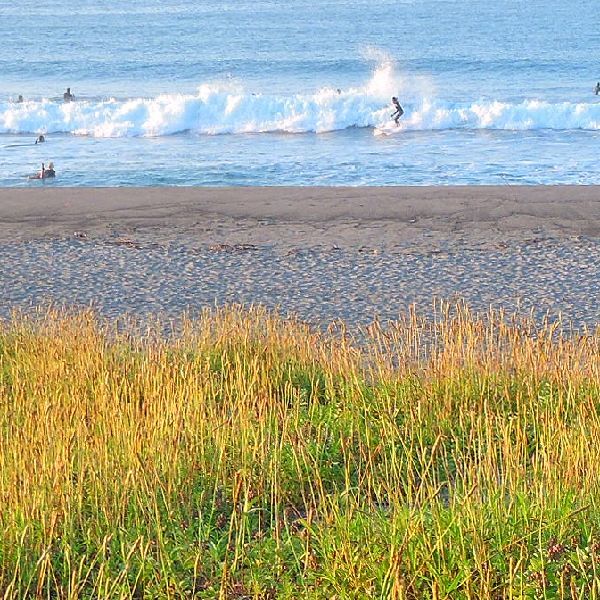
x=303, y=216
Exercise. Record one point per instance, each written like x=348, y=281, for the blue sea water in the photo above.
x=274, y=92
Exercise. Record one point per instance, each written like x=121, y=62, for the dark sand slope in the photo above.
x=304, y=217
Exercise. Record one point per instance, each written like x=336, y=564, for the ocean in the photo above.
x=272, y=92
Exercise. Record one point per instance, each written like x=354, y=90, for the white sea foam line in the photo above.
x=228, y=108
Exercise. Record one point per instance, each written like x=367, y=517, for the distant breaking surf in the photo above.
x=222, y=109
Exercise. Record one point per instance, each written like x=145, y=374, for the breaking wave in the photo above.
x=227, y=109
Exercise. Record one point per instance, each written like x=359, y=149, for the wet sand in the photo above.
x=318, y=253
x=305, y=217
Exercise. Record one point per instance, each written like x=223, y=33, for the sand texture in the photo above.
x=304, y=217
x=318, y=253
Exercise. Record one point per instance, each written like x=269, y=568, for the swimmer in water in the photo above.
x=40, y=139
x=45, y=173
x=67, y=96
x=39, y=175
x=49, y=172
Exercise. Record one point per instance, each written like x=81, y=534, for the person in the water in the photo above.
x=398, y=112
x=40, y=139
x=67, y=96
x=39, y=175
x=20, y=99
x=597, y=89
x=45, y=173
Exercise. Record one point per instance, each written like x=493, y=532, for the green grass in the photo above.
x=250, y=457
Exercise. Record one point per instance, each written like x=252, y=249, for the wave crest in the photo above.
x=225, y=108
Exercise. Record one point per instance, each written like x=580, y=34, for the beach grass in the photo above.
x=244, y=455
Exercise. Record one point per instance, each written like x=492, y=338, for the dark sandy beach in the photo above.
x=303, y=217
x=321, y=253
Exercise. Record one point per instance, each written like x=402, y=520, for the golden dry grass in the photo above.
x=251, y=457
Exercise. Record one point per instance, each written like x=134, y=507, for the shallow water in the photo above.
x=246, y=93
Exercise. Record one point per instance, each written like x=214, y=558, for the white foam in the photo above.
x=228, y=108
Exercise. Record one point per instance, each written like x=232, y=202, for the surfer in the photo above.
x=67, y=96
x=20, y=99
x=597, y=89
x=398, y=112
x=40, y=139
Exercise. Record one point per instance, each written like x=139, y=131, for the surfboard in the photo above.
x=387, y=129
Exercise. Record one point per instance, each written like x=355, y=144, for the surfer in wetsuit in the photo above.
x=67, y=96
x=40, y=140
x=398, y=112
x=597, y=89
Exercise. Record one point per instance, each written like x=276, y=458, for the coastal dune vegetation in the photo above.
x=246, y=455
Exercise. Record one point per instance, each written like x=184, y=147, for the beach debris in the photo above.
x=232, y=247
x=129, y=243
x=368, y=250
x=81, y=235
